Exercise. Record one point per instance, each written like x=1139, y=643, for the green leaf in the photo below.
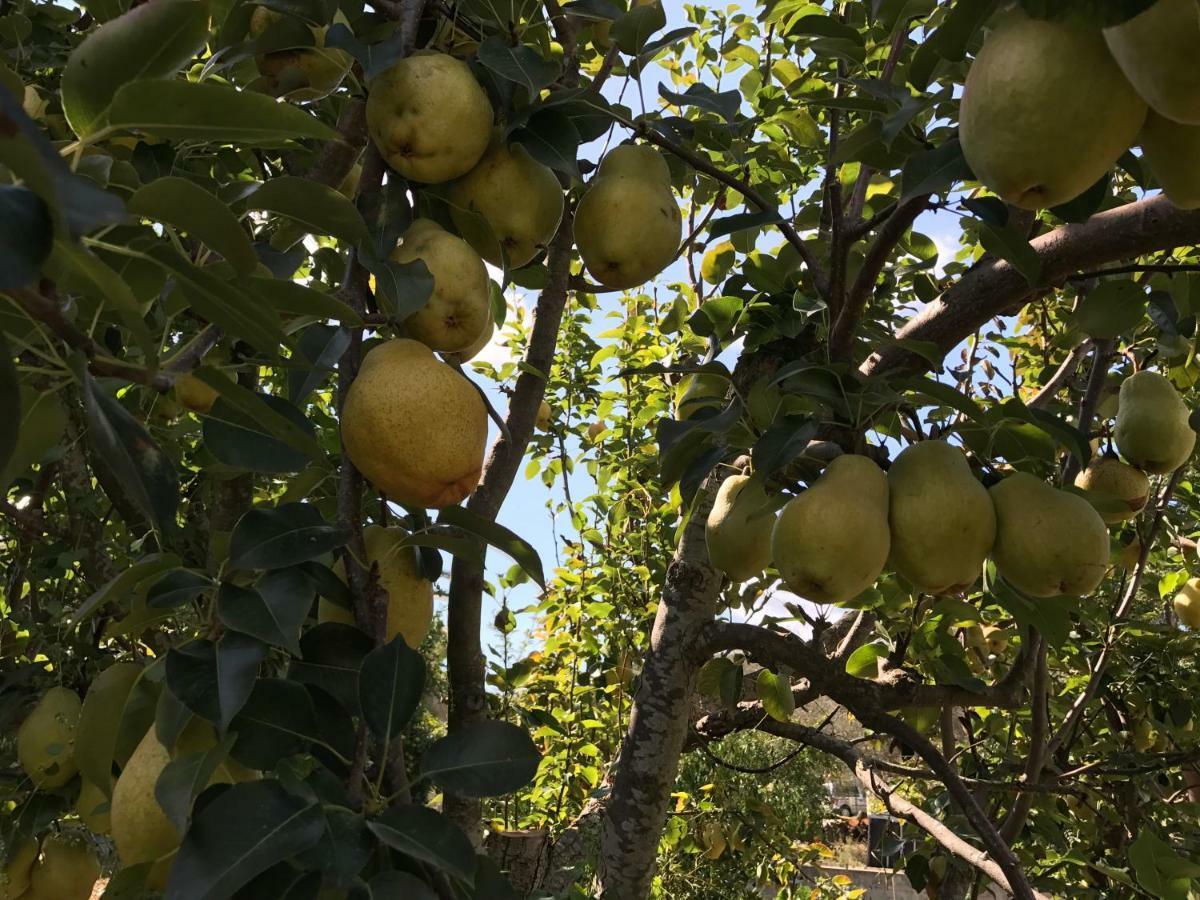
x=10, y=406
x=482, y=759
x=123, y=584
x=390, y=684
x=144, y=472
x=633, y=30
x=26, y=236
x=1049, y=615
x=243, y=831
x=944, y=395
x=277, y=721
x=100, y=722
x=864, y=662
x=321, y=346
x=289, y=298
x=721, y=679
x=317, y=207
x=272, y=611
x=1111, y=308
x=428, y=836
x=553, y=139
x=212, y=113
x=1152, y=858
x=239, y=440
x=214, y=680
x=42, y=423
x=259, y=410
x=184, y=204
x=185, y=777
x=520, y=64
x=291, y=533
x=520, y=550
x=176, y=588
x=154, y=40
x=331, y=655
x=776, y=695
x=1011, y=245
x=934, y=171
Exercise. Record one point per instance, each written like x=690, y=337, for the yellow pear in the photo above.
x=460, y=306
x=995, y=639
x=1048, y=542
x=14, y=877
x=93, y=808
x=738, y=530
x=520, y=200
x=195, y=394
x=1152, y=424
x=1172, y=151
x=595, y=430
x=942, y=520
x=415, y=427
x=299, y=73
x=1046, y=111
x=46, y=739
x=429, y=117
x=1157, y=51
x=1124, y=488
x=697, y=391
x=67, y=870
x=1187, y=603
x=831, y=542
x=410, y=594
x=141, y=830
x=628, y=225
x=544, y=416
x=465, y=355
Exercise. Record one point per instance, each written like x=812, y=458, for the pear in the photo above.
x=942, y=520
x=831, y=542
x=14, y=877
x=1187, y=603
x=544, y=416
x=1048, y=542
x=67, y=870
x=738, y=530
x=628, y=225
x=141, y=830
x=519, y=199
x=1152, y=429
x=410, y=593
x=1157, y=52
x=697, y=391
x=415, y=427
x=93, y=808
x=460, y=306
x=195, y=394
x=1124, y=488
x=595, y=430
x=429, y=117
x=1046, y=111
x=298, y=73
x=465, y=355
x=1145, y=735
x=46, y=739
x=1172, y=151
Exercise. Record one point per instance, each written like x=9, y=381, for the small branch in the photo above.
x=194, y=352
x=1061, y=376
x=1101, y=354
x=1014, y=822
x=1166, y=268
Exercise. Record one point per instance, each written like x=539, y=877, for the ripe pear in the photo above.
x=410, y=593
x=1187, y=603
x=942, y=520
x=595, y=430
x=46, y=739
x=429, y=117
x=1046, y=111
x=738, y=530
x=697, y=391
x=831, y=542
x=1127, y=488
x=1172, y=151
x=195, y=394
x=1152, y=424
x=415, y=427
x=67, y=870
x=460, y=306
x=520, y=200
x=1157, y=52
x=464, y=356
x=14, y=877
x=1048, y=542
x=544, y=416
x=141, y=830
x=93, y=808
x=299, y=73
x=628, y=225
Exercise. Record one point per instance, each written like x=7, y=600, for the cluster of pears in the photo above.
x=300, y=66
x=1049, y=106
x=59, y=867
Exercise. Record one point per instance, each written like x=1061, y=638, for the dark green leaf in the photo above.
x=741, y=222
x=186, y=205
x=520, y=550
x=272, y=611
x=725, y=104
x=428, y=836
x=394, y=884
x=322, y=346
x=317, y=207
x=391, y=681
x=331, y=655
x=1111, y=308
x=632, y=31
x=122, y=586
x=10, y=405
x=345, y=847
x=78, y=270
x=26, y=236
x=277, y=721
x=934, y=171
x=402, y=288
x=184, y=778
x=1011, y=245
x=520, y=64
x=482, y=759
x=42, y=423
x=176, y=588
x=721, y=679
x=275, y=538
x=238, y=439
x=551, y=138
x=288, y=298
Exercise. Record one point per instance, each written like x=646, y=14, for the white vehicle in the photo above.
x=846, y=798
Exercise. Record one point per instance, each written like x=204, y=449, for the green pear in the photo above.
x=628, y=225
x=67, y=870
x=697, y=391
x=942, y=520
x=1046, y=111
x=1157, y=52
x=1048, y=542
x=46, y=739
x=831, y=542
x=519, y=200
x=299, y=73
x=738, y=530
x=1187, y=603
x=1172, y=151
x=1123, y=488
x=459, y=309
x=465, y=355
x=1152, y=424
x=429, y=117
